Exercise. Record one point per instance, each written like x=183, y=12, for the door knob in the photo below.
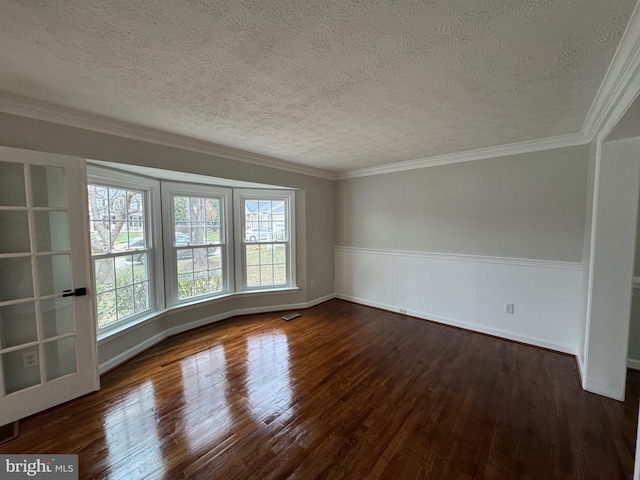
x=78, y=292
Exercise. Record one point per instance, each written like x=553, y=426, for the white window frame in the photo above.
x=171, y=189
x=151, y=188
x=288, y=196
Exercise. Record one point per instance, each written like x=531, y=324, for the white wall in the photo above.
x=454, y=243
x=615, y=207
x=469, y=292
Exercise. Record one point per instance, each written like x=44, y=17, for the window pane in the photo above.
x=253, y=276
x=141, y=296
x=265, y=220
x=280, y=274
x=116, y=281
x=117, y=219
x=199, y=271
x=196, y=220
x=106, y=308
x=266, y=265
x=124, y=297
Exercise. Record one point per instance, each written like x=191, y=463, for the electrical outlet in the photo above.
x=509, y=308
x=30, y=359
x=403, y=311
x=313, y=283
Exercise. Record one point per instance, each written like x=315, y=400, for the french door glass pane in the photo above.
x=60, y=357
x=54, y=274
x=14, y=226
x=52, y=231
x=16, y=281
x=57, y=316
x=20, y=368
x=47, y=186
x=18, y=324
x=12, y=189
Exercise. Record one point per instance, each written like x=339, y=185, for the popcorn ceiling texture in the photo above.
x=335, y=84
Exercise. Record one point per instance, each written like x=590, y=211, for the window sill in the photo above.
x=126, y=327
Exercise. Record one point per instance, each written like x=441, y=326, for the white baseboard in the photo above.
x=538, y=342
x=130, y=353
x=633, y=364
x=150, y=342
x=470, y=292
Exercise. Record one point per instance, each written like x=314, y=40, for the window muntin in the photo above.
x=118, y=227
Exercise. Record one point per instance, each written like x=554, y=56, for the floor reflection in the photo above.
x=268, y=377
x=131, y=436
x=206, y=411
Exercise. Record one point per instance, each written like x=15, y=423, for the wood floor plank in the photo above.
x=343, y=392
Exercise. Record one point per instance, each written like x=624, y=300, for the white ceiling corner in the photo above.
x=335, y=88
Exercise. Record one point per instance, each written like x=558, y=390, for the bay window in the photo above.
x=160, y=244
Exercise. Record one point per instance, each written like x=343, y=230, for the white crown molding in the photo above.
x=30, y=108
x=621, y=83
x=569, y=140
x=523, y=262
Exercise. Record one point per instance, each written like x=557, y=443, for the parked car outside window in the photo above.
x=259, y=234
x=138, y=244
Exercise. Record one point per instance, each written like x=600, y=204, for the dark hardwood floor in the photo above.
x=344, y=391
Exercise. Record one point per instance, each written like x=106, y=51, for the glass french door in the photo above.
x=48, y=350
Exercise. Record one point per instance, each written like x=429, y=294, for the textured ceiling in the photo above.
x=334, y=84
